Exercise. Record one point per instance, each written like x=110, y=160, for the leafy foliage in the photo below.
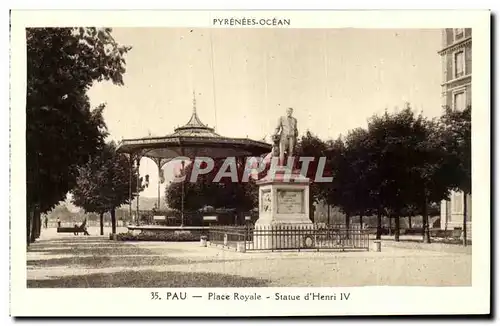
x=457, y=143
x=103, y=184
x=312, y=146
x=207, y=191
x=159, y=236
x=400, y=164
x=62, y=131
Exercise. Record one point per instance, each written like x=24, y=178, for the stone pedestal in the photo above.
x=283, y=212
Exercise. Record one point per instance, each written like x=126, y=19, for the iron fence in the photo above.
x=290, y=237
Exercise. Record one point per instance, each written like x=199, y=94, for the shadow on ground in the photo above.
x=148, y=279
x=105, y=261
x=457, y=242
x=102, y=254
x=97, y=249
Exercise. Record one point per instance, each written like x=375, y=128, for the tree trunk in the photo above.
x=396, y=228
x=29, y=218
x=409, y=222
x=328, y=213
x=425, y=221
x=379, y=224
x=360, y=221
x=112, y=212
x=101, y=222
x=38, y=225
x=347, y=225
x=36, y=217
x=464, y=228
x=390, y=225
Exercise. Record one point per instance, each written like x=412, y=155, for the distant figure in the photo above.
x=58, y=223
x=82, y=227
x=46, y=221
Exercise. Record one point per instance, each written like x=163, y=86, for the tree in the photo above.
x=206, y=191
x=358, y=194
x=62, y=131
x=350, y=164
x=408, y=165
x=333, y=195
x=196, y=195
x=312, y=146
x=393, y=153
x=428, y=169
x=457, y=142
x=103, y=184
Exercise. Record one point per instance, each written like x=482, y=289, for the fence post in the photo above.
x=203, y=240
x=299, y=237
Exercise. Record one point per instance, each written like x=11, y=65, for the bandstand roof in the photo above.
x=191, y=140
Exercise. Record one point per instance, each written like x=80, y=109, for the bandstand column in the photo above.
x=161, y=179
x=131, y=167
x=138, y=163
x=159, y=184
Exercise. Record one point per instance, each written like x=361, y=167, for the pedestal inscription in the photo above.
x=290, y=201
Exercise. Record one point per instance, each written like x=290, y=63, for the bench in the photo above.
x=74, y=230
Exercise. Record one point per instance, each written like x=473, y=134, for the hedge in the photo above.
x=158, y=236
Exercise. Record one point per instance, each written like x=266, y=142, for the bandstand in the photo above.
x=194, y=139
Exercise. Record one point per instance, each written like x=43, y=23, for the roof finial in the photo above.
x=194, y=102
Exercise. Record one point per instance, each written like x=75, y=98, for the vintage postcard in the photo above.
x=250, y=163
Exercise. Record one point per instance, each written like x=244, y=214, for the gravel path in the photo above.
x=69, y=261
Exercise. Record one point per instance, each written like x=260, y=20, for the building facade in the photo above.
x=456, y=93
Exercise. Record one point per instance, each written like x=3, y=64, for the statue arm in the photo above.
x=278, y=127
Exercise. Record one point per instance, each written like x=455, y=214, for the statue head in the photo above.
x=289, y=112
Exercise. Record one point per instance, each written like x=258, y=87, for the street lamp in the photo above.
x=182, y=196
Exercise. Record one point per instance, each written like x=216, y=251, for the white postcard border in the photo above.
x=364, y=300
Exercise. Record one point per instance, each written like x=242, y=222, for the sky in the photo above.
x=244, y=79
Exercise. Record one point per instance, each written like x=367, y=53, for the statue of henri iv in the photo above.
x=286, y=136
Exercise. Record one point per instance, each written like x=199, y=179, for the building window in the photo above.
x=459, y=63
x=458, y=33
x=459, y=102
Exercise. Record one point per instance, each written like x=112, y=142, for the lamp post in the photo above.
x=138, y=187
x=182, y=196
x=131, y=162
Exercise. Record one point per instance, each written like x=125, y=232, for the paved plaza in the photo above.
x=62, y=260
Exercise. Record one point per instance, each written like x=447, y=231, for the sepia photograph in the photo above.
x=248, y=152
